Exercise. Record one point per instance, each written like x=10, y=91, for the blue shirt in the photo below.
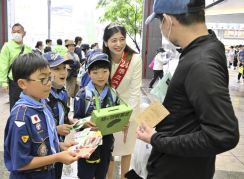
x=85, y=103
x=26, y=136
x=55, y=98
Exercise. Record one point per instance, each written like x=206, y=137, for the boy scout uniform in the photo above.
x=57, y=101
x=26, y=136
x=59, y=97
x=84, y=104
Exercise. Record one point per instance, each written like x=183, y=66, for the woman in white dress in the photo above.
x=126, y=75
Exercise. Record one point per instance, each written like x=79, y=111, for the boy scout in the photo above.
x=57, y=100
x=31, y=145
x=98, y=67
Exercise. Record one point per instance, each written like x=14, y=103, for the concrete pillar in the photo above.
x=3, y=22
x=151, y=39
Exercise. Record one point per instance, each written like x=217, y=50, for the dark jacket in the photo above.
x=202, y=122
x=47, y=49
x=78, y=52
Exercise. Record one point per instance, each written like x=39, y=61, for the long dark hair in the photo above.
x=109, y=31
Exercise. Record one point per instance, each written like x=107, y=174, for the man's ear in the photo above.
x=22, y=83
x=24, y=33
x=170, y=20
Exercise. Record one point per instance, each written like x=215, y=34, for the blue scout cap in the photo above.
x=174, y=7
x=55, y=59
x=96, y=55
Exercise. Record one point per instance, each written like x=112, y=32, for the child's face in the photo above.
x=71, y=48
x=38, y=85
x=99, y=77
x=59, y=75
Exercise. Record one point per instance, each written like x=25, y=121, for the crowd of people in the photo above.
x=43, y=87
x=235, y=60
x=64, y=63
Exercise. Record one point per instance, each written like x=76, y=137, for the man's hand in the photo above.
x=66, y=145
x=66, y=157
x=64, y=129
x=4, y=89
x=144, y=132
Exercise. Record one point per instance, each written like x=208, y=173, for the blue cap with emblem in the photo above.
x=96, y=55
x=55, y=59
x=175, y=7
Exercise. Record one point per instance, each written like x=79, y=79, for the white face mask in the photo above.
x=167, y=36
x=17, y=37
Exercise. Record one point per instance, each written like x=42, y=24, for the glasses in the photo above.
x=44, y=81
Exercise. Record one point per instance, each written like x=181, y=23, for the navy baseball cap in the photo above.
x=95, y=56
x=55, y=59
x=174, y=7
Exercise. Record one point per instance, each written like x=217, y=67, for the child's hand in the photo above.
x=66, y=157
x=125, y=131
x=67, y=144
x=64, y=129
x=73, y=121
x=90, y=124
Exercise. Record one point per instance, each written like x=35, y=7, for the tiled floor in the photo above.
x=229, y=165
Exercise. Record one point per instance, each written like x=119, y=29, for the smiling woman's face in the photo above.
x=116, y=44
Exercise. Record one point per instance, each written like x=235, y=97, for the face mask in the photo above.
x=17, y=37
x=171, y=44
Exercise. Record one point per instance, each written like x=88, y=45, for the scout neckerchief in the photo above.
x=29, y=102
x=60, y=106
x=121, y=70
x=102, y=95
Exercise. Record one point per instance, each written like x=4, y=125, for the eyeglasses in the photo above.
x=44, y=81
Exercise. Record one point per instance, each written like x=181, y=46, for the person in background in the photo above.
x=31, y=146
x=94, y=46
x=161, y=59
x=48, y=47
x=201, y=121
x=236, y=50
x=240, y=57
x=78, y=41
x=230, y=56
x=72, y=85
x=38, y=48
x=59, y=48
x=84, y=49
x=126, y=73
x=10, y=51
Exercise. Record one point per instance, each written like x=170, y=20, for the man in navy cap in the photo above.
x=201, y=123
